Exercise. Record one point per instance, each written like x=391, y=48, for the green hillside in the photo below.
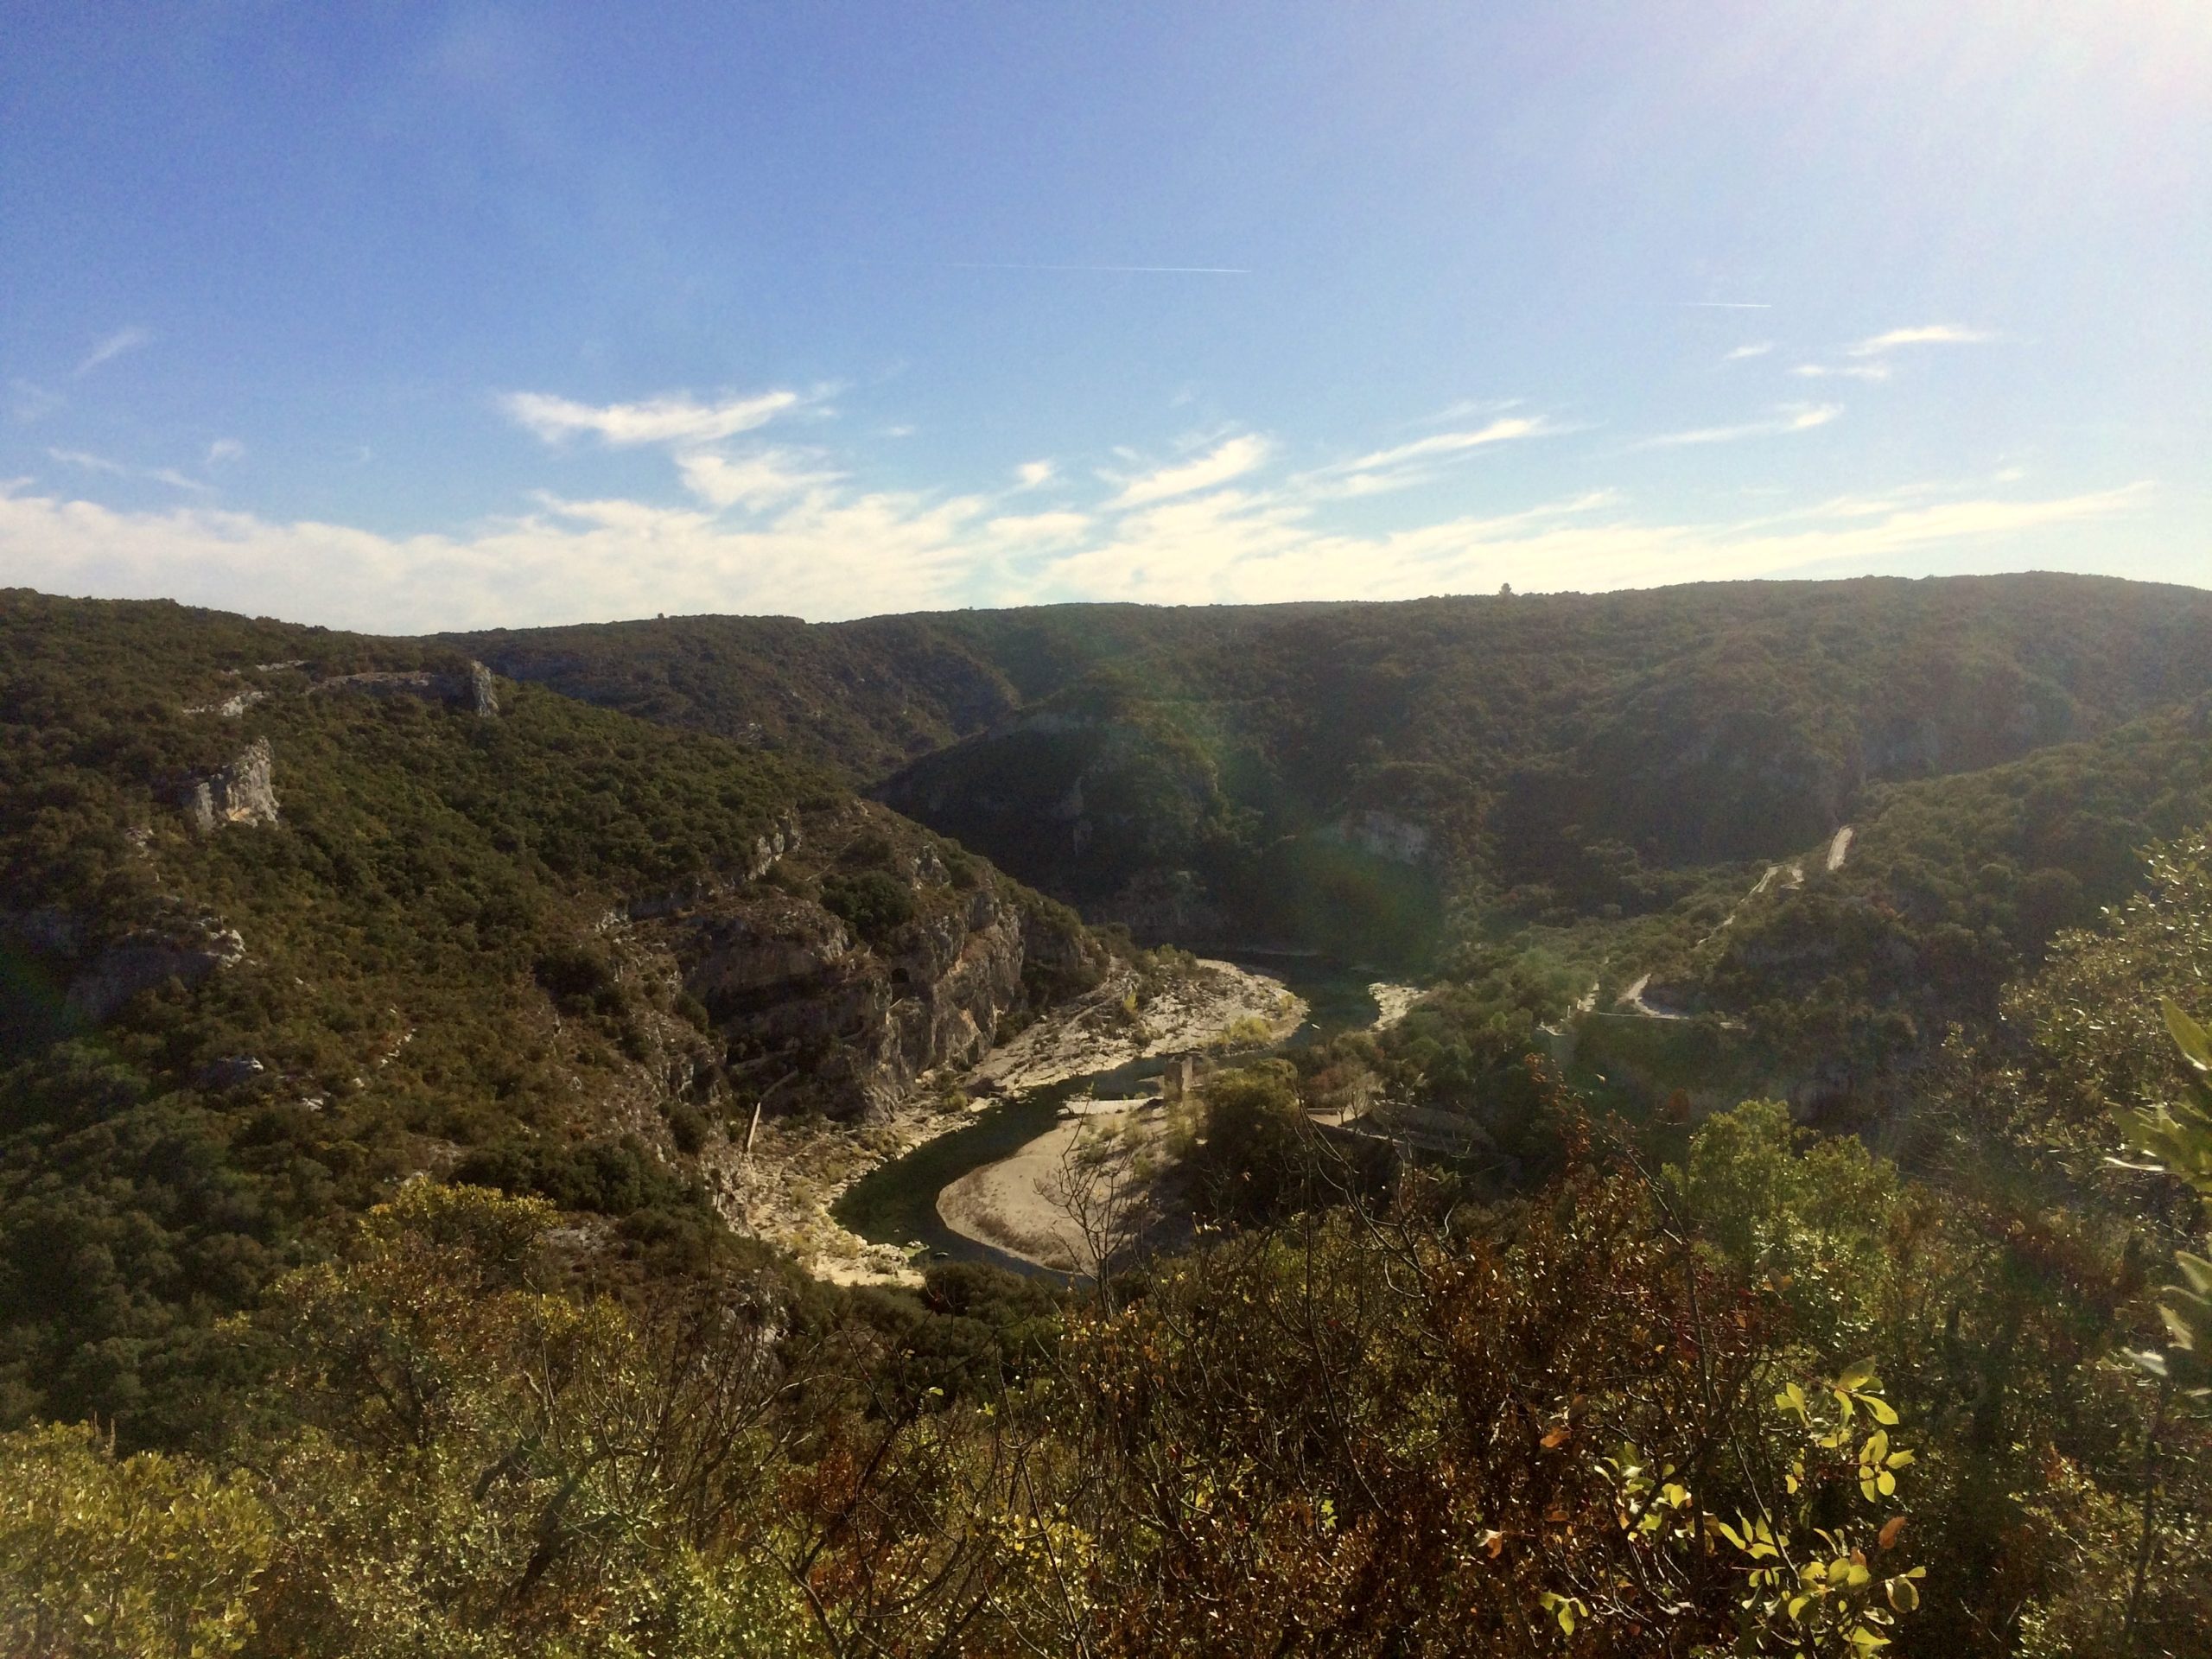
x=551, y=947
x=1386, y=781
x=381, y=1038
x=1552, y=755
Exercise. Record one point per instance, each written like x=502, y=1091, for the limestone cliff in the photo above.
x=848, y=1020
x=241, y=792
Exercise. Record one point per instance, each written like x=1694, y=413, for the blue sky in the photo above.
x=418, y=316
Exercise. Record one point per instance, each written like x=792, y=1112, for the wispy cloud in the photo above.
x=1790, y=417
x=1842, y=372
x=1458, y=413
x=1035, y=474
x=1934, y=333
x=677, y=418
x=1756, y=348
x=223, y=451
x=85, y=460
x=757, y=480
x=107, y=350
x=1406, y=465
x=90, y=462
x=1502, y=430
x=1229, y=459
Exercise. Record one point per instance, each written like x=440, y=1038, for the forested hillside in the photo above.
x=1748, y=1238
x=1591, y=785
x=1322, y=773
x=861, y=698
x=291, y=915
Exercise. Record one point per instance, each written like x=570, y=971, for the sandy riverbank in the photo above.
x=799, y=1170
x=1016, y=1204
x=1012, y=1205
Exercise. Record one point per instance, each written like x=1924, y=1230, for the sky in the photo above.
x=408, y=317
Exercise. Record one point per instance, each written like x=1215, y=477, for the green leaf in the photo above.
x=2196, y=1270
x=2189, y=1037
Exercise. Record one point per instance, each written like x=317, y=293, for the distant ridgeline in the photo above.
x=1412, y=783
x=288, y=915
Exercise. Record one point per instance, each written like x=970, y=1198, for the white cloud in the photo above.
x=1405, y=466
x=1232, y=547
x=1440, y=444
x=1231, y=459
x=1937, y=333
x=1846, y=371
x=122, y=340
x=780, y=530
x=640, y=520
x=1756, y=348
x=90, y=462
x=573, y=561
x=676, y=418
x=177, y=481
x=1790, y=417
x=224, y=450
x=833, y=554
x=752, y=481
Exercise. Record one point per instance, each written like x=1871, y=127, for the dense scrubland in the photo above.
x=367, y=1274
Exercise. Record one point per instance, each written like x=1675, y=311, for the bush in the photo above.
x=875, y=904
x=130, y=1557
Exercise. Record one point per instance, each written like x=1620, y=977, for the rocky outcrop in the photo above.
x=472, y=687
x=189, y=952
x=242, y=792
x=790, y=989
x=772, y=845
x=775, y=949
x=783, y=977
x=231, y=707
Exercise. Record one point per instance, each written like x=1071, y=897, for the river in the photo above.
x=897, y=1204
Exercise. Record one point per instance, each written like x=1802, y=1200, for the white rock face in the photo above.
x=242, y=792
